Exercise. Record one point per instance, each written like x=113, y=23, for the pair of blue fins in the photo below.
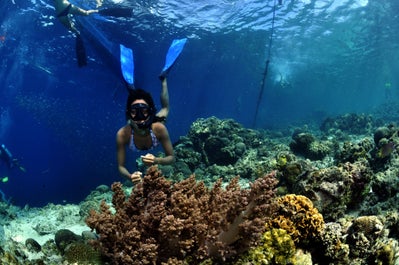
x=127, y=60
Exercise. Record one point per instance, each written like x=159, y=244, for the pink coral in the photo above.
x=184, y=221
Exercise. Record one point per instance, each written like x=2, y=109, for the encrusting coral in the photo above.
x=182, y=222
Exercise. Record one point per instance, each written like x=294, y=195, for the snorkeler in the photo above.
x=145, y=130
x=7, y=157
x=64, y=10
x=283, y=82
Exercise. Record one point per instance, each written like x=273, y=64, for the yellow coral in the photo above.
x=297, y=215
x=282, y=160
x=276, y=247
x=385, y=253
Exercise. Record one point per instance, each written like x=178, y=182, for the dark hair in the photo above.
x=139, y=93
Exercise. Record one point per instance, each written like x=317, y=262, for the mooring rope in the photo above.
x=263, y=82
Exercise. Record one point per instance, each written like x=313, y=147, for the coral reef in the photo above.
x=66, y=248
x=351, y=123
x=336, y=202
x=215, y=148
x=362, y=240
x=357, y=176
x=219, y=141
x=354, y=151
x=161, y=221
x=362, y=234
x=366, y=238
x=335, y=189
x=386, y=141
x=333, y=246
x=305, y=144
x=297, y=215
x=276, y=247
x=296, y=226
x=82, y=253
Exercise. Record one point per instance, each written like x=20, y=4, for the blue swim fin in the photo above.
x=127, y=64
x=173, y=53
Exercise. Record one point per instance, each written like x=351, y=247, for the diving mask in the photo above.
x=140, y=111
x=141, y=114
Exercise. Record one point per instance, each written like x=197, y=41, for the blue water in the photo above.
x=326, y=58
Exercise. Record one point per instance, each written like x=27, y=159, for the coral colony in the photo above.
x=161, y=222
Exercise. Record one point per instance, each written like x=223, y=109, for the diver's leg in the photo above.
x=69, y=24
x=164, y=112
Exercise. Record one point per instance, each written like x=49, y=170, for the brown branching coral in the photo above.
x=163, y=222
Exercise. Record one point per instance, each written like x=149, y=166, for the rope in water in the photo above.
x=263, y=82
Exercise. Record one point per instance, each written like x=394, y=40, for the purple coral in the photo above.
x=162, y=221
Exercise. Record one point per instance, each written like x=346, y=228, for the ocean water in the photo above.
x=325, y=58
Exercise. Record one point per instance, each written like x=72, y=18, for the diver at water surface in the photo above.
x=64, y=11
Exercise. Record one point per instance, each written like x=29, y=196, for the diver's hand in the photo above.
x=148, y=159
x=136, y=177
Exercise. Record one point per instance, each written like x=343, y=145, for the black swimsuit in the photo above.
x=65, y=12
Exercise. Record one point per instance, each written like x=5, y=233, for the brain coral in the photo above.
x=297, y=215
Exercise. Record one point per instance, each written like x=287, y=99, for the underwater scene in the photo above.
x=281, y=143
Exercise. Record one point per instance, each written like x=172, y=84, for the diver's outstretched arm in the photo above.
x=80, y=11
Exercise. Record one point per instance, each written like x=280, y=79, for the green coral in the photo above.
x=276, y=247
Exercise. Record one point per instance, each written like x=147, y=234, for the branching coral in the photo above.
x=162, y=221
